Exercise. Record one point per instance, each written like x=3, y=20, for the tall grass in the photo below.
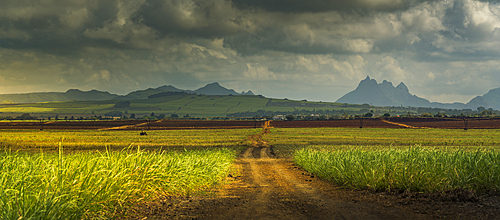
x=414, y=169
x=93, y=185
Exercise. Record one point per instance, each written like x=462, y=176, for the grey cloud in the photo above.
x=326, y=5
x=208, y=19
x=324, y=44
x=54, y=27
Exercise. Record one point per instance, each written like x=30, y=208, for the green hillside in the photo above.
x=72, y=94
x=193, y=105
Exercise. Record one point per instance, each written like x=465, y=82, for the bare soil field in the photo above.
x=130, y=124
x=351, y=123
x=449, y=123
x=270, y=188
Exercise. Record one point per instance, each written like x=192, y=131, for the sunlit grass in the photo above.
x=414, y=169
x=92, y=185
x=287, y=140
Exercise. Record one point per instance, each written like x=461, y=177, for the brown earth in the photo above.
x=451, y=123
x=131, y=124
x=274, y=188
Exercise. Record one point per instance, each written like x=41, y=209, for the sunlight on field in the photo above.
x=27, y=109
x=101, y=185
x=417, y=160
x=415, y=169
x=287, y=140
x=89, y=140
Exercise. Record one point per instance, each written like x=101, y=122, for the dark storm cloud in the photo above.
x=325, y=5
x=206, y=19
x=47, y=27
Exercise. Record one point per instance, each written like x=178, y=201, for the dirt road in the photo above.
x=274, y=188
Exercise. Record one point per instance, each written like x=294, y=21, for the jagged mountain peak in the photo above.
x=385, y=82
x=383, y=94
x=403, y=87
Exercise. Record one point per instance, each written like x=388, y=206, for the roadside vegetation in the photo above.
x=412, y=170
x=99, y=174
x=288, y=140
x=101, y=184
x=416, y=160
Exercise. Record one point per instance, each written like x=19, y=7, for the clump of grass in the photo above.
x=89, y=185
x=414, y=169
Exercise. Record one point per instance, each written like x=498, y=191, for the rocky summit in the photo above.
x=385, y=94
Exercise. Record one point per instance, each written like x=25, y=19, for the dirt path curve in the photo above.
x=130, y=126
x=272, y=188
x=399, y=124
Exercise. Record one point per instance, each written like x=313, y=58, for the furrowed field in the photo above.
x=416, y=160
x=98, y=174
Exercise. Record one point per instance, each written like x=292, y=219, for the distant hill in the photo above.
x=209, y=89
x=72, y=94
x=94, y=95
x=385, y=94
x=140, y=94
x=170, y=88
x=216, y=89
x=488, y=100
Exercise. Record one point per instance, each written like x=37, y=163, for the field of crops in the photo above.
x=416, y=160
x=287, y=140
x=90, y=185
x=89, y=140
x=74, y=174
x=64, y=174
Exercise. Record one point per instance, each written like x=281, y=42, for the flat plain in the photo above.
x=264, y=181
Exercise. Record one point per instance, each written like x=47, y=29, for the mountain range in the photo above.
x=385, y=94
x=367, y=92
x=94, y=95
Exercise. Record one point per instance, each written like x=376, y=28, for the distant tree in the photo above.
x=132, y=116
x=368, y=115
x=440, y=114
x=289, y=117
x=481, y=108
x=93, y=112
x=72, y=117
x=429, y=115
x=345, y=115
x=152, y=114
x=65, y=117
x=161, y=116
x=387, y=114
x=174, y=116
x=26, y=116
x=187, y=116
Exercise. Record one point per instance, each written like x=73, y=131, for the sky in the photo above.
x=444, y=51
